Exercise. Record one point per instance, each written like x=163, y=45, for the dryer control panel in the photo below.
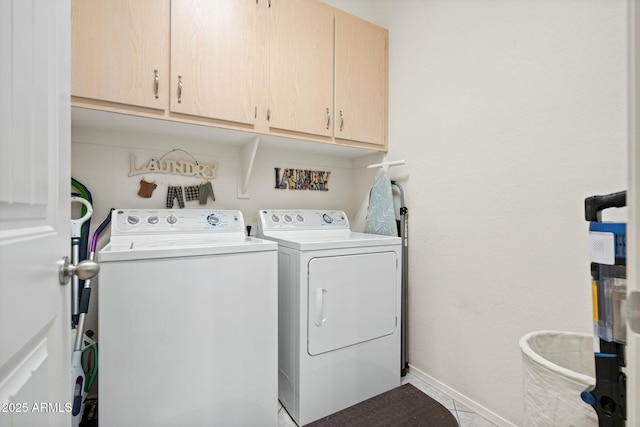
x=167, y=221
x=302, y=219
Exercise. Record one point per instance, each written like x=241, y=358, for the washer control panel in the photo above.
x=161, y=221
x=302, y=219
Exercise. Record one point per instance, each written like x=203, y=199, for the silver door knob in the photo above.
x=86, y=269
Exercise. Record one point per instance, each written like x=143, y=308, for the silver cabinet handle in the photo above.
x=156, y=83
x=179, y=89
x=341, y=121
x=328, y=118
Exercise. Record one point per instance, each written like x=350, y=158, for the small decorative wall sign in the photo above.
x=175, y=167
x=302, y=179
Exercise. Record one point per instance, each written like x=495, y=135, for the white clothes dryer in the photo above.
x=187, y=321
x=339, y=311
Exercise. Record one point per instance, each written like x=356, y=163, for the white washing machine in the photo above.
x=339, y=311
x=187, y=321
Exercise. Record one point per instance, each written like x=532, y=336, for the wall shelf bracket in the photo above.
x=247, y=157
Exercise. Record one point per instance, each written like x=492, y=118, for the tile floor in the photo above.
x=465, y=416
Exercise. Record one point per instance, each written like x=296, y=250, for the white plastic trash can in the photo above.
x=557, y=367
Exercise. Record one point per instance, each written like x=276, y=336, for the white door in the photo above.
x=352, y=299
x=35, y=386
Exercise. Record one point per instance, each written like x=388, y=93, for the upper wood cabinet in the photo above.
x=120, y=51
x=328, y=73
x=294, y=68
x=301, y=38
x=213, y=51
x=362, y=76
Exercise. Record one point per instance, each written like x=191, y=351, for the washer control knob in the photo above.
x=172, y=219
x=287, y=218
x=327, y=218
x=299, y=218
x=133, y=220
x=153, y=219
x=213, y=219
x=275, y=218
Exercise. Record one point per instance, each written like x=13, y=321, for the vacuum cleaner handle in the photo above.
x=594, y=205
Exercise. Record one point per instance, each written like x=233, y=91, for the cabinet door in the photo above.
x=361, y=80
x=120, y=51
x=213, y=50
x=301, y=67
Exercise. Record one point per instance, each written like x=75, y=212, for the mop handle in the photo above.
x=86, y=294
x=99, y=230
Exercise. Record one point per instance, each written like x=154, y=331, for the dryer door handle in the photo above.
x=320, y=317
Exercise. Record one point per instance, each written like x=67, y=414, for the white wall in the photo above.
x=509, y=113
x=100, y=160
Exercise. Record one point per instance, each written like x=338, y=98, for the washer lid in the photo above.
x=128, y=248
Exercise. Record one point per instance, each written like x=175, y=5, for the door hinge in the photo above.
x=268, y=114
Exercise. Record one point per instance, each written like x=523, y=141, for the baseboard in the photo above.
x=470, y=403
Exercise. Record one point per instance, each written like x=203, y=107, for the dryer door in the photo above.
x=351, y=299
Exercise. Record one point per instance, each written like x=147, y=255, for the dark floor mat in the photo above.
x=402, y=406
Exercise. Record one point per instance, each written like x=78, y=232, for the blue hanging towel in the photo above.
x=381, y=217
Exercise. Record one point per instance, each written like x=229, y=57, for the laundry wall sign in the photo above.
x=176, y=167
x=302, y=179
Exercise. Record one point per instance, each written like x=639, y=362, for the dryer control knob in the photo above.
x=213, y=220
x=300, y=218
x=287, y=218
x=327, y=218
x=172, y=219
x=153, y=219
x=275, y=218
x=133, y=220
